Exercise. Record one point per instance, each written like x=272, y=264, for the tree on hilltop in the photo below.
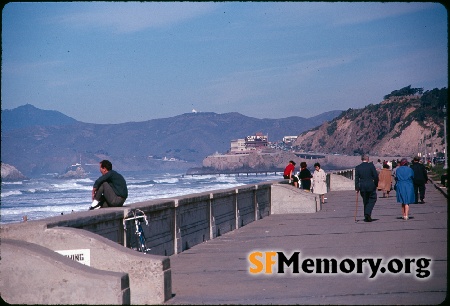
x=405, y=91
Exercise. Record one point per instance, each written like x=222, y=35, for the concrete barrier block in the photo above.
x=287, y=199
x=33, y=274
x=148, y=274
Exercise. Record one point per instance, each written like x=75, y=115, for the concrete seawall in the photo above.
x=175, y=225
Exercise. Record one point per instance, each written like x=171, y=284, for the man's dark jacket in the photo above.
x=420, y=173
x=116, y=181
x=366, y=177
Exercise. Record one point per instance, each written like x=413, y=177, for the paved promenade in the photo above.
x=217, y=271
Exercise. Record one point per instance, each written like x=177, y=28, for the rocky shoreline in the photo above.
x=78, y=173
x=258, y=162
x=11, y=174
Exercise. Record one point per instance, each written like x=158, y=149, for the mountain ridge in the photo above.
x=28, y=115
x=178, y=142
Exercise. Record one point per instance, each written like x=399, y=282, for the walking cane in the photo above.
x=356, y=209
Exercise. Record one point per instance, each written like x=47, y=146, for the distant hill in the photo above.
x=28, y=115
x=188, y=138
x=403, y=125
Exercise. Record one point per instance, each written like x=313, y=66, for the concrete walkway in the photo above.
x=217, y=271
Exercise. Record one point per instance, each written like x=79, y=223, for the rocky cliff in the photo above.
x=255, y=161
x=10, y=173
x=407, y=127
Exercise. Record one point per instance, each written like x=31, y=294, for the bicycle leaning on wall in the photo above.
x=139, y=217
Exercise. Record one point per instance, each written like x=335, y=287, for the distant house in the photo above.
x=250, y=143
x=238, y=146
x=289, y=139
x=257, y=141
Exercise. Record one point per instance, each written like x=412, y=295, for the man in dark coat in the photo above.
x=420, y=179
x=110, y=189
x=366, y=182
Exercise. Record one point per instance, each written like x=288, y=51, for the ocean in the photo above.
x=47, y=196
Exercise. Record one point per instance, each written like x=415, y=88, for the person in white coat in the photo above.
x=319, y=183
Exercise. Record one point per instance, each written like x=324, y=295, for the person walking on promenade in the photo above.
x=389, y=163
x=395, y=166
x=110, y=189
x=420, y=179
x=305, y=177
x=319, y=183
x=289, y=173
x=379, y=165
x=404, y=187
x=366, y=182
x=385, y=180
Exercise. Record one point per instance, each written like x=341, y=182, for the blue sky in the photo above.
x=114, y=62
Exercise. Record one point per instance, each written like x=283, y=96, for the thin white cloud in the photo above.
x=255, y=84
x=125, y=17
x=355, y=13
x=298, y=71
x=340, y=13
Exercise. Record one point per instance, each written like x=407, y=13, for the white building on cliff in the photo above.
x=249, y=143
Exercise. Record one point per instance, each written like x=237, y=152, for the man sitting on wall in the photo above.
x=110, y=189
